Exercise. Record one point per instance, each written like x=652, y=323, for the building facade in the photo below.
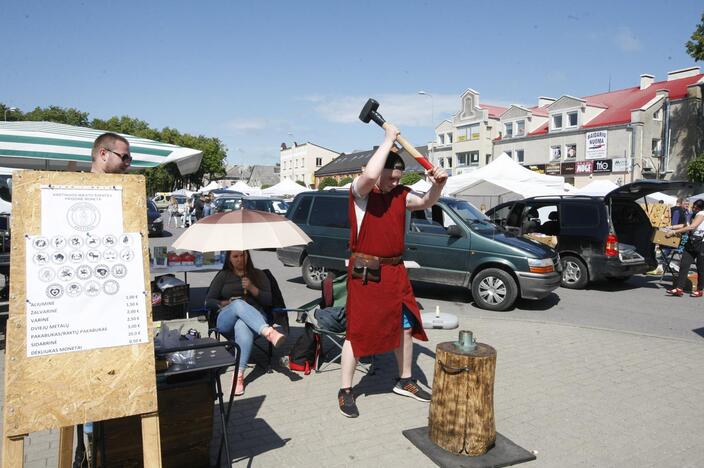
x=299, y=163
x=647, y=131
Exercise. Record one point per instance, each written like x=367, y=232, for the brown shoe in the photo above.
x=274, y=337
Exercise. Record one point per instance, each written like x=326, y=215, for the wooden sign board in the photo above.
x=63, y=387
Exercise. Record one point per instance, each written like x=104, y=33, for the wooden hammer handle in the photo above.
x=413, y=151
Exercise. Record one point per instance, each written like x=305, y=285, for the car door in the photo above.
x=328, y=226
x=442, y=258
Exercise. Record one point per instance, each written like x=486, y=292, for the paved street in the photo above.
x=607, y=377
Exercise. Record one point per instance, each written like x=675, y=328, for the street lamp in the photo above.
x=9, y=109
x=432, y=105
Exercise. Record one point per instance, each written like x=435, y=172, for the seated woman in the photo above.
x=241, y=292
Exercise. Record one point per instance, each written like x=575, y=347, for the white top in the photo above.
x=699, y=230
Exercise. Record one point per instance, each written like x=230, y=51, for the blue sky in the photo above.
x=259, y=73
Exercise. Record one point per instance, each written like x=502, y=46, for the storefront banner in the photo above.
x=596, y=145
x=584, y=167
x=568, y=168
x=620, y=165
x=552, y=169
x=603, y=166
x=539, y=168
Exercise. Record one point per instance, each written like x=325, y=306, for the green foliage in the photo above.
x=344, y=181
x=159, y=179
x=301, y=183
x=327, y=182
x=695, y=169
x=695, y=46
x=410, y=178
x=265, y=186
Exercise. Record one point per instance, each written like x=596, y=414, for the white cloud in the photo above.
x=411, y=110
x=627, y=40
x=248, y=125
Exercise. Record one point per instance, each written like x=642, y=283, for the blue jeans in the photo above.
x=242, y=322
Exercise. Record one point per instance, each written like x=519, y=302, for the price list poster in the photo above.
x=85, y=277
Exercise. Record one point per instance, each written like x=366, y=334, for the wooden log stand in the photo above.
x=462, y=407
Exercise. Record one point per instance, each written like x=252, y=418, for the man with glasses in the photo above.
x=111, y=154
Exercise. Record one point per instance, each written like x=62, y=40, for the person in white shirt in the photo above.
x=692, y=251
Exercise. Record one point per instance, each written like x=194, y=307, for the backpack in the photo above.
x=332, y=319
x=305, y=351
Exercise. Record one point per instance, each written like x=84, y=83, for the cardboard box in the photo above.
x=660, y=239
x=550, y=241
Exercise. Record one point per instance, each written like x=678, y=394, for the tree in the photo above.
x=344, y=181
x=695, y=169
x=301, y=183
x=327, y=182
x=57, y=114
x=411, y=178
x=695, y=46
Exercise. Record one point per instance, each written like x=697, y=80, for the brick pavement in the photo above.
x=578, y=396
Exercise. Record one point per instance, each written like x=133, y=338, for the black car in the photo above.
x=154, y=221
x=272, y=205
x=598, y=238
x=226, y=203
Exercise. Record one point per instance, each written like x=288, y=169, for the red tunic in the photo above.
x=374, y=309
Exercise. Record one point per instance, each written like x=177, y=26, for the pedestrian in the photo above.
x=198, y=204
x=382, y=313
x=207, y=206
x=110, y=154
x=679, y=214
x=692, y=251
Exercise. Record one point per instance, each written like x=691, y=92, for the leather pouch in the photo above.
x=367, y=268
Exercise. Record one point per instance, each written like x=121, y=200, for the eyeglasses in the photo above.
x=126, y=157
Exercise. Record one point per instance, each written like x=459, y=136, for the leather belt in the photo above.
x=382, y=260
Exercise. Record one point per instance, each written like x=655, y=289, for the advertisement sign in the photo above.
x=552, y=169
x=602, y=166
x=596, y=145
x=584, y=167
x=539, y=168
x=620, y=165
x=568, y=168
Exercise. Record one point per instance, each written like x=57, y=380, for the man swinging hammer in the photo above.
x=382, y=314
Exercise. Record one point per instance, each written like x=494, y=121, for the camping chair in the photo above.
x=273, y=315
x=334, y=294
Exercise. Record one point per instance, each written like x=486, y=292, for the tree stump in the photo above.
x=462, y=405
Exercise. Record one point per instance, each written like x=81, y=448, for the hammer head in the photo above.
x=369, y=112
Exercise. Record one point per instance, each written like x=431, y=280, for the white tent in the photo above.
x=211, y=186
x=489, y=193
x=284, y=188
x=657, y=197
x=597, y=188
x=183, y=192
x=502, y=168
x=421, y=186
x=240, y=186
x=568, y=188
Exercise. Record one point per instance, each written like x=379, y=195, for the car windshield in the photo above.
x=476, y=220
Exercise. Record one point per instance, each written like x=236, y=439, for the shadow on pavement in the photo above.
x=634, y=282
x=541, y=304
x=443, y=293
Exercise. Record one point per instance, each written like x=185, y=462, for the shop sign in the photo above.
x=620, y=165
x=568, y=168
x=596, y=144
x=584, y=167
x=602, y=166
x=552, y=169
x=539, y=168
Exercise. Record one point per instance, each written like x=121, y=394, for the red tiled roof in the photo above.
x=494, y=111
x=542, y=130
x=620, y=103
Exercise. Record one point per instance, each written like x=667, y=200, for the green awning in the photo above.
x=53, y=146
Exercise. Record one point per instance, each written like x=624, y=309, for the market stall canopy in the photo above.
x=60, y=147
x=503, y=168
x=283, y=188
x=211, y=186
x=658, y=197
x=597, y=188
x=240, y=186
x=485, y=194
x=421, y=186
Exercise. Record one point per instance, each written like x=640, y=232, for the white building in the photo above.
x=300, y=162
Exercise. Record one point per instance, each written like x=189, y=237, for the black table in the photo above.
x=213, y=357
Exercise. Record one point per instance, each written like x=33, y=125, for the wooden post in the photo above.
x=13, y=451
x=462, y=407
x=66, y=446
x=151, y=441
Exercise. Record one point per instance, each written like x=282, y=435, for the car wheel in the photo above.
x=313, y=276
x=494, y=289
x=574, y=273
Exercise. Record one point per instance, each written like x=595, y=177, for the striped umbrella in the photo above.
x=54, y=146
x=241, y=230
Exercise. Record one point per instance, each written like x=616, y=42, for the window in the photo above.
x=571, y=151
x=474, y=158
x=519, y=156
x=555, y=153
x=449, y=162
x=428, y=221
x=656, y=148
x=473, y=132
x=329, y=212
x=572, y=119
x=441, y=139
x=509, y=154
x=557, y=121
x=442, y=162
x=468, y=159
x=300, y=216
x=520, y=128
x=449, y=138
x=470, y=132
x=657, y=115
x=579, y=215
x=509, y=130
x=318, y=162
x=487, y=158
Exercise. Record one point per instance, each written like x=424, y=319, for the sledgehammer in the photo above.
x=369, y=113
